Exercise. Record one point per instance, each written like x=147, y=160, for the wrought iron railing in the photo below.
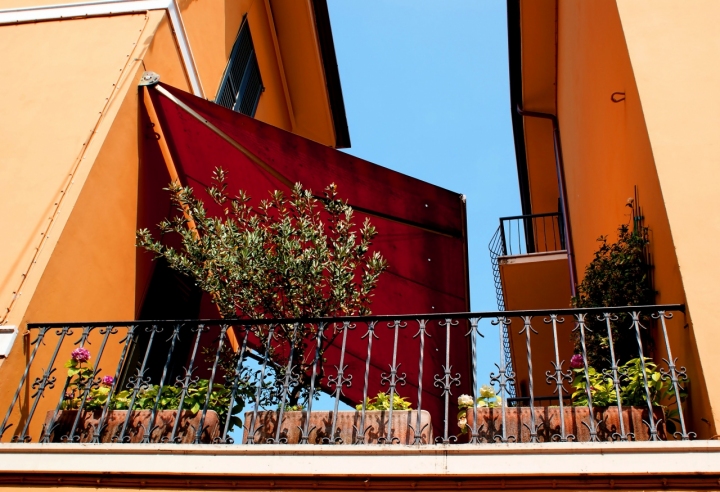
x=536, y=233
x=190, y=381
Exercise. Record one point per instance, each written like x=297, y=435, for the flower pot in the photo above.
x=320, y=431
x=137, y=425
x=547, y=422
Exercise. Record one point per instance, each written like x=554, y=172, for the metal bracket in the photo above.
x=149, y=79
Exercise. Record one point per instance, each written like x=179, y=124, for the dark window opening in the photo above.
x=170, y=296
x=241, y=85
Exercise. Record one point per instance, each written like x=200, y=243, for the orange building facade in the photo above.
x=608, y=108
x=611, y=100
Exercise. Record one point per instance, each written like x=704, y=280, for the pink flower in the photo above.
x=107, y=380
x=80, y=354
x=576, y=362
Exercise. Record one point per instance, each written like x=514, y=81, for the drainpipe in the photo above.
x=560, y=169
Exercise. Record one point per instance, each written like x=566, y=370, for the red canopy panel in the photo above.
x=421, y=233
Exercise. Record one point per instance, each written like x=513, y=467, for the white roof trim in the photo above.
x=111, y=7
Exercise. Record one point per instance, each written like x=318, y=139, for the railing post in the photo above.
x=502, y=238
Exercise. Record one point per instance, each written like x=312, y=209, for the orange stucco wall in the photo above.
x=78, y=198
x=531, y=282
x=538, y=19
x=299, y=50
x=47, y=155
x=673, y=48
x=85, y=269
x=607, y=152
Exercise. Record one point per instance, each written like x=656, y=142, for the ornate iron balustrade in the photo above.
x=201, y=359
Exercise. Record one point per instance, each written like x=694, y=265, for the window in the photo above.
x=241, y=85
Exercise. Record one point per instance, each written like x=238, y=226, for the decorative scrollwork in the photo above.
x=422, y=329
x=446, y=380
x=46, y=381
x=445, y=440
x=558, y=376
x=370, y=331
x=340, y=380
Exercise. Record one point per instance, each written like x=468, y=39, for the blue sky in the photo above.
x=426, y=91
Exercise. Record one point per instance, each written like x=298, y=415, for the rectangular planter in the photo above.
x=547, y=421
x=348, y=423
x=139, y=421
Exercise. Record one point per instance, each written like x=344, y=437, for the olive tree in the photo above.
x=294, y=256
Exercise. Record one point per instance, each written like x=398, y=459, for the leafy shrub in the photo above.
x=618, y=275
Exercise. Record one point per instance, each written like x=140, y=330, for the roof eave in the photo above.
x=332, y=74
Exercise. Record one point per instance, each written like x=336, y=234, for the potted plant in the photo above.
x=578, y=424
x=290, y=258
x=633, y=398
x=149, y=414
x=618, y=275
x=367, y=426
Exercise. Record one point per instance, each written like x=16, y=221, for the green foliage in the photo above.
x=81, y=377
x=382, y=402
x=281, y=260
x=632, y=385
x=602, y=388
x=289, y=258
x=618, y=275
x=292, y=408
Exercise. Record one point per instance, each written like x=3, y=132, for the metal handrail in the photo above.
x=534, y=233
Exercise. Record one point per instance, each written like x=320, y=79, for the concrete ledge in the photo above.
x=695, y=458
x=533, y=257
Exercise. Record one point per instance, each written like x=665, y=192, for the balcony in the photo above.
x=231, y=381
x=530, y=262
x=536, y=423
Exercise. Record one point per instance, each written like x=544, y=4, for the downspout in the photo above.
x=560, y=169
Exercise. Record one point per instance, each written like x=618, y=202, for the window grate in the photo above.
x=241, y=85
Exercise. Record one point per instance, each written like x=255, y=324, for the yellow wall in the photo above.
x=607, y=152
x=661, y=138
x=674, y=50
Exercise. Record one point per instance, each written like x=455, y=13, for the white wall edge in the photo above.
x=8, y=334
x=507, y=460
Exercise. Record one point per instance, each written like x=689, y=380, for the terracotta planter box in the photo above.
x=548, y=419
x=139, y=421
x=403, y=425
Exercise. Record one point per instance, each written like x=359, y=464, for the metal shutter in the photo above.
x=241, y=86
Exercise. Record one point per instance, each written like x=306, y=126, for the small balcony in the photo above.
x=196, y=404
x=530, y=262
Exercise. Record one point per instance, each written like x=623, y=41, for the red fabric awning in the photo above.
x=421, y=231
